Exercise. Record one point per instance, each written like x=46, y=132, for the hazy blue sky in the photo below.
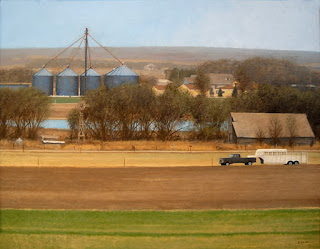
x=266, y=24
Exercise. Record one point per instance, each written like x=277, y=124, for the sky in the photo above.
x=256, y=24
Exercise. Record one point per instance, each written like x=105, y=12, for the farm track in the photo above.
x=193, y=188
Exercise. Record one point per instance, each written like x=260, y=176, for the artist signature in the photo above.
x=303, y=242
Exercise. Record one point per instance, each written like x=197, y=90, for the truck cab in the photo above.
x=236, y=158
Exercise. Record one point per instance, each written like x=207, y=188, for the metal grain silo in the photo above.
x=93, y=81
x=120, y=75
x=67, y=83
x=43, y=80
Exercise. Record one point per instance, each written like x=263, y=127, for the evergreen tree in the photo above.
x=220, y=92
x=235, y=91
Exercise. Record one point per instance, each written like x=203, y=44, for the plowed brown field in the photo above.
x=192, y=188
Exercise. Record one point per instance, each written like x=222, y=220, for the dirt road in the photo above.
x=160, y=188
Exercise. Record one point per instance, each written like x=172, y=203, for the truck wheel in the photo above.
x=296, y=162
x=290, y=163
x=222, y=164
x=228, y=164
x=249, y=163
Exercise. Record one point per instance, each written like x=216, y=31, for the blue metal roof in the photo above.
x=122, y=71
x=68, y=72
x=43, y=72
x=91, y=72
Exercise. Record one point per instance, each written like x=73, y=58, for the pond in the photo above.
x=55, y=124
x=63, y=124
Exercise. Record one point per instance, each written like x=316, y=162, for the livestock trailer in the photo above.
x=281, y=156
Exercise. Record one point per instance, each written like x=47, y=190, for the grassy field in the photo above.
x=294, y=228
x=65, y=100
x=120, y=159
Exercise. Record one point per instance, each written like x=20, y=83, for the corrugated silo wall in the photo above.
x=113, y=81
x=67, y=85
x=93, y=83
x=43, y=83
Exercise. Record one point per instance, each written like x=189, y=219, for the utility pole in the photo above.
x=85, y=62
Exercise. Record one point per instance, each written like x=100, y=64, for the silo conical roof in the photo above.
x=122, y=71
x=43, y=72
x=68, y=72
x=91, y=72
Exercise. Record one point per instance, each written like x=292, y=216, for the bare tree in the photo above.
x=6, y=111
x=275, y=131
x=291, y=125
x=202, y=82
x=169, y=110
x=260, y=135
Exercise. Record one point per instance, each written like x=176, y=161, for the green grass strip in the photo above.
x=143, y=234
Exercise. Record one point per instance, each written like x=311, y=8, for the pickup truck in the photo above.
x=236, y=158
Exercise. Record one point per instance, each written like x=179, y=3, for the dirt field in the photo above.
x=60, y=111
x=160, y=188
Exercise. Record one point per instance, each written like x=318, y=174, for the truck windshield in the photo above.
x=234, y=155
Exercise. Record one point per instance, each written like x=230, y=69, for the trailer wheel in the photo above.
x=296, y=162
x=249, y=163
x=227, y=164
x=290, y=162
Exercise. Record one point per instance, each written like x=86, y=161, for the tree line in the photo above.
x=277, y=72
x=133, y=112
x=253, y=70
x=16, y=75
x=21, y=112
x=256, y=70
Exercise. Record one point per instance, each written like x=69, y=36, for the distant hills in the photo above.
x=178, y=55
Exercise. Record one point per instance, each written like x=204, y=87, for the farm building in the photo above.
x=93, y=81
x=192, y=89
x=217, y=80
x=248, y=128
x=119, y=76
x=67, y=83
x=163, y=82
x=43, y=80
x=150, y=67
x=158, y=89
x=188, y=80
x=226, y=91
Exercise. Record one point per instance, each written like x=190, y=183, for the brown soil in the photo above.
x=61, y=111
x=194, y=188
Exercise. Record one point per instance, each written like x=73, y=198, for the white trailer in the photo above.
x=281, y=156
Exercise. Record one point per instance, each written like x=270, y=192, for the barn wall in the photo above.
x=298, y=141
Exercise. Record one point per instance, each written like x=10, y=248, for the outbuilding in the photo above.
x=249, y=128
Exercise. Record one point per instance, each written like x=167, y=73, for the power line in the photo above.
x=107, y=50
x=63, y=51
